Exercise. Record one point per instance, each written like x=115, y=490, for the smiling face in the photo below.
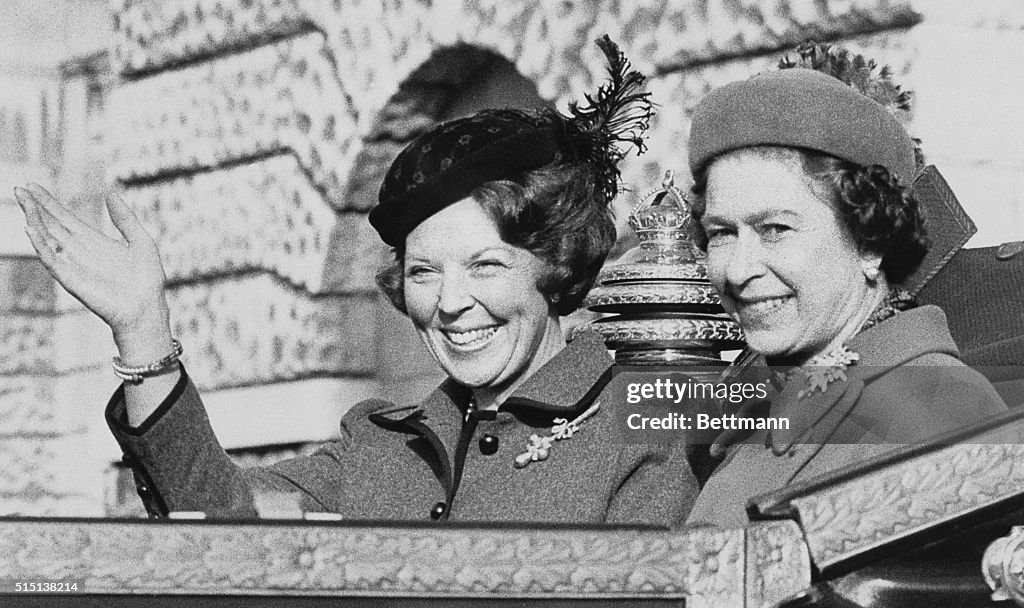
x=474, y=301
x=787, y=269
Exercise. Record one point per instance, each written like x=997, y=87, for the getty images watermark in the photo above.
x=701, y=406
x=656, y=406
x=687, y=390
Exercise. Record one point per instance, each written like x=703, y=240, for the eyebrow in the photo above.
x=491, y=249
x=754, y=218
x=476, y=255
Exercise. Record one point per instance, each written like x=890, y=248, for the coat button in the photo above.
x=438, y=511
x=143, y=491
x=1007, y=251
x=488, y=444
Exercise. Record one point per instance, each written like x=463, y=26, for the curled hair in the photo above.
x=550, y=212
x=881, y=215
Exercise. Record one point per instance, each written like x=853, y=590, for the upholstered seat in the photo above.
x=982, y=292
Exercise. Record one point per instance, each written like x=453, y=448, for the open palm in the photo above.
x=120, y=280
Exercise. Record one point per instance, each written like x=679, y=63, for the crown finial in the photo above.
x=661, y=220
x=669, y=180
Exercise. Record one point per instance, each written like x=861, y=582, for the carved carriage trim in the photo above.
x=878, y=503
x=707, y=567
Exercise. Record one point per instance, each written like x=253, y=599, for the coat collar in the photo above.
x=904, y=336
x=568, y=383
x=562, y=387
x=814, y=418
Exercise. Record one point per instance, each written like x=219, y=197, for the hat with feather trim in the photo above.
x=445, y=164
x=803, y=107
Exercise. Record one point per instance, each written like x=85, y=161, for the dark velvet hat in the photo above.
x=445, y=164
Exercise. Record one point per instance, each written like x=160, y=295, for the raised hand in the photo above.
x=120, y=280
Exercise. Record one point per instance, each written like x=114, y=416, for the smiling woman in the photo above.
x=499, y=223
x=476, y=303
x=788, y=270
x=806, y=191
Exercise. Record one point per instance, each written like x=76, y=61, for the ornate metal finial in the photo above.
x=668, y=312
x=1003, y=567
x=662, y=222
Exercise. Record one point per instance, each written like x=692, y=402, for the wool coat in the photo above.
x=907, y=387
x=439, y=459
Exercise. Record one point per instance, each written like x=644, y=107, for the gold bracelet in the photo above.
x=136, y=373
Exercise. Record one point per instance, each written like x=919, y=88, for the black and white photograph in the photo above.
x=511, y=303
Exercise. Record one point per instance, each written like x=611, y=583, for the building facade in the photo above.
x=251, y=137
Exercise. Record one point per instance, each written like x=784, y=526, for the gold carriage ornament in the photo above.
x=666, y=311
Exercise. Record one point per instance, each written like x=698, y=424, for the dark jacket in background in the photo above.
x=982, y=292
x=432, y=460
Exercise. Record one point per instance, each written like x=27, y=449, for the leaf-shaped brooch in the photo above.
x=540, y=447
x=825, y=369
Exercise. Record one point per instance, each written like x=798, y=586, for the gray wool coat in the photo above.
x=429, y=461
x=907, y=387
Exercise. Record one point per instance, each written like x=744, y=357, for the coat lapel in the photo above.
x=437, y=421
x=815, y=417
x=767, y=462
x=564, y=386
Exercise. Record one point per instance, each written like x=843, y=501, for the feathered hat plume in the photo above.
x=854, y=69
x=861, y=73
x=619, y=113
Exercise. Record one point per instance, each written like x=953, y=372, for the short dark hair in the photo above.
x=550, y=212
x=881, y=215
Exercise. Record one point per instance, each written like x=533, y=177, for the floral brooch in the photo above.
x=540, y=447
x=824, y=369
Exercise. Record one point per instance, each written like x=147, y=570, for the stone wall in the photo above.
x=53, y=352
x=251, y=136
